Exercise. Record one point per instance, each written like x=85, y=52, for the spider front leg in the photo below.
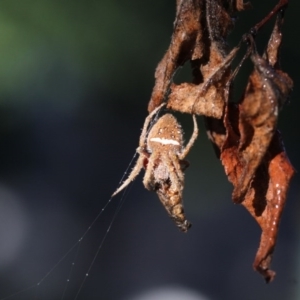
x=141, y=150
x=191, y=142
x=146, y=124
x=135, y=172
x=149, y=179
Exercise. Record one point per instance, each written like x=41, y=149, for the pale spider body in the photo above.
x=162, y=155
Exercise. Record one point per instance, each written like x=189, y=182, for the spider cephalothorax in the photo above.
x=162, y=154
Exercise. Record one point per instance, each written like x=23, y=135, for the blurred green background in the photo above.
x=75, y=81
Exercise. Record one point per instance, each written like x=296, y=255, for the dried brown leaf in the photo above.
x=207, y=98
x=186, y=43
x=244, y=134
x=266, y=194
x=265, y=201
x=266, y=92
x=253, y=157
x=199, y=36
x=257, y=123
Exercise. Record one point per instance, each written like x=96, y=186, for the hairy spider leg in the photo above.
x=146, y=124
x=140, y=150
x=191, y=142
x=177, y=210
x=149, y=176
x=135, y=172
x=179, y=178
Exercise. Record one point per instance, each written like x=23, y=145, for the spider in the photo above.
x=161, y=153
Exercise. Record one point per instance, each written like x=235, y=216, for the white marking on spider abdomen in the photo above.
x=164, y=141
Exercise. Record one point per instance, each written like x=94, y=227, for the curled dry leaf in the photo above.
x=265, y=93
x=253, y=157
x=209, y=97
x=186, y=43
x=265, y=200
x=244, y=134
x=199, y=36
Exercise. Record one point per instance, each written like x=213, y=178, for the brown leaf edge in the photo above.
x=253, y=154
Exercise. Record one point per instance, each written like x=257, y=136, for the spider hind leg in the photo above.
x=135, y=172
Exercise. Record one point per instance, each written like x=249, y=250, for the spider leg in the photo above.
x=146, y=124
x=179, y=171
x=141, y=150
x=176, y=176
x=191, y=142
x=135, y=172
x=149, y=177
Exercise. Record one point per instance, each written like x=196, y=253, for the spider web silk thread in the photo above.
x=79, y=241
x=121, y=202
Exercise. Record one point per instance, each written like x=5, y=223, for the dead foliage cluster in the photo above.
x=244, y=132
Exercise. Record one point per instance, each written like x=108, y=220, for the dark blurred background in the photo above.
x=75, y=80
